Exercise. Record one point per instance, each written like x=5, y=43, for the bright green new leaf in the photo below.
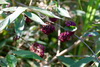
x=27, y=54
x=35, y=18
x=12, y=61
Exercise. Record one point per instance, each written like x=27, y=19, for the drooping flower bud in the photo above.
x=53, y=19
x=47, y=29
x=38, y=49
x=70, y=23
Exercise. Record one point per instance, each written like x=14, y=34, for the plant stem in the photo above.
x=88, y=47
x=30, y=4
x=59, y=42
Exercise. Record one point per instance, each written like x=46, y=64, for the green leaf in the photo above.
x=27, y=54
x=3, y=2
x=35, y=18
x=2, y=44
x=71, y=28
x=66, y=61
x=92, y=33
x=12, y=61
x=3, y=62
x=82, y=62
x=11, y=17
x=9, y=9
x=19, y=24
x=45, y=12
x=63, y=12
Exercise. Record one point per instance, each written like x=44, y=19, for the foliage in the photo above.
x=23, y=23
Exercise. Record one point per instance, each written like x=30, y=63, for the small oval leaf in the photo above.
x=45, y=12
x=35, y=18
x=63, y=12
x=27, y=54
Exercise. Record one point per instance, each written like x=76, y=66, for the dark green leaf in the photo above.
x=27, y=54
x=82, y=62
x=66, y=61
x=35, y=18
x=3, y=62
x=19, y=24
x=12, y=61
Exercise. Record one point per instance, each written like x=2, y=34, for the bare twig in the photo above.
x=65, y=51
x=30, y=2
x=88, y=48
x=78, y=55
x=59, y=31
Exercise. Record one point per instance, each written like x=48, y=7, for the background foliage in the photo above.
x=16, y=35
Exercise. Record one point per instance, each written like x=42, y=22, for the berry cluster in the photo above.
x=65, y=36
x=28, y=20
x=47, y=29
x=38, y=49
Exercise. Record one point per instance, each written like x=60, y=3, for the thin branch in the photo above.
x=88, y=48
x=59, y=42
x=78, y=55
x=65, y=51
x=30, y=4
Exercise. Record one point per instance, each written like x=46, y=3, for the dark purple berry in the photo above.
x=38, y=49
x=47, y=29
x=28, y=20
x=65, y=36
x=90, y=35
x=16, y=38
x=53, y=19
x=70, y=23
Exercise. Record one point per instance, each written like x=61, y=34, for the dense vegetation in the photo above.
x=52, y=33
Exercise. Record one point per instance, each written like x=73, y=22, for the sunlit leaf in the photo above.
x=12, y=61
x=35, y=18
x=3, y=2
x=71, y=28
x=9, y=9
x=11, y=17
x=63, y=12
x=45, y=12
